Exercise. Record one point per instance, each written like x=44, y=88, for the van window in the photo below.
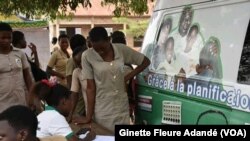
x=244, y=69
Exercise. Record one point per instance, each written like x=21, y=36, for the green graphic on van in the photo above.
x=201, y=88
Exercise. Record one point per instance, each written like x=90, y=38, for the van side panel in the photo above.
x=195, y=61
x=191, y=109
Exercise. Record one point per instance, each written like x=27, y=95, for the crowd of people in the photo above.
x=89, y=85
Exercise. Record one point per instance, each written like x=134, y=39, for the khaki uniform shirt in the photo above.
x=111, y=105
x=58, y=61
x=79, y=85
x=30, y=71
x=54, y=48
x=70, y=66
x=12, y=86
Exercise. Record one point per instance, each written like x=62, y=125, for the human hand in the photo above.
x=90, y=136
x=32, y=48
x=127, y=78
x=181, y=76
x=198, y=68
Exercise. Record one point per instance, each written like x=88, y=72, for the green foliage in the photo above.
x=28, y=24
x=127, y=7
x=47, y=8
x=58, y=8
x=135, y=28
x=16, y=22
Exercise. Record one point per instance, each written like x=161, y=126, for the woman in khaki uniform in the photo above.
x=75, y=41
x=14, y=71
x=104, y=68
x=79, y=83
x=58, y=61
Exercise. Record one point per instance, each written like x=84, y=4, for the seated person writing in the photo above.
x=52, y=121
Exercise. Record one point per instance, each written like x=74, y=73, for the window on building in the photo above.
x=138, y=41
x=62, y=31
x=78, y=31
x=244, y=69
x=109, y=30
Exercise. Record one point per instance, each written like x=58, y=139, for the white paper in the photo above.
x=104, y=138
x=82, y=136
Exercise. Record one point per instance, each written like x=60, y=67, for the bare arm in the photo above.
x=74, y=98
x=50, y=71
x=69, y=71
x=33, y=51
x=27, y=78
x=90, y=93
x=69, y=81
x=28, y=81
x=145, y=63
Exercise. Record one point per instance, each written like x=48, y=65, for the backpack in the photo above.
x=37, y=72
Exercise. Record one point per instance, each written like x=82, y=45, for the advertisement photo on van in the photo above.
x=200, y=65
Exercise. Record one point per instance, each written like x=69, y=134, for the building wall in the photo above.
x=40, y=37
x=98, y=14
x=88, y=22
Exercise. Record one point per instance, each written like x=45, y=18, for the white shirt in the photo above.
x=187, y=61
x=167, y=68
x=51, y=123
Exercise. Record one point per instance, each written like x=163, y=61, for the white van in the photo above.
x=200, y=63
